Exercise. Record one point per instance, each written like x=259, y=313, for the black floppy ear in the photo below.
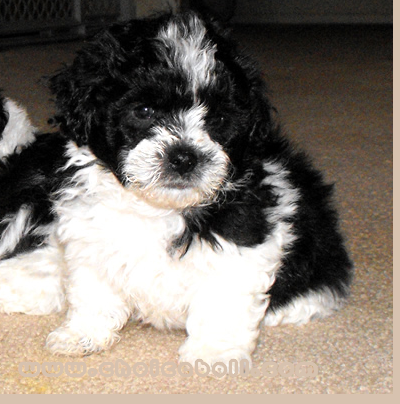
x=82, y=89
x=245, y=72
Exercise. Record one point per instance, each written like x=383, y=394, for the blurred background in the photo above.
x=27, y=21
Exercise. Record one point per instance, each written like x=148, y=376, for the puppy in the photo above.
x=169, y=197
x=16, y=130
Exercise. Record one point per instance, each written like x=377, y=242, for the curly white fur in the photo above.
x=119, y=246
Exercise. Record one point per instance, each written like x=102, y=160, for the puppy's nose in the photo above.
x=182, y=160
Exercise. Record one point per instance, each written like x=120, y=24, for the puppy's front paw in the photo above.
x=218, y=351
x=66, y=341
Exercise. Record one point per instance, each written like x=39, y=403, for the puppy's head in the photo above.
x=167, y=104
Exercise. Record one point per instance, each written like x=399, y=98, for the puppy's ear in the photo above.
x=245, y=72
x=249, y=83
x=82, y=89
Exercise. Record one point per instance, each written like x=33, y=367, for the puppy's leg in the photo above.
x=96, y=314
x=303, y=309
x=31, y=283
x=224, y=317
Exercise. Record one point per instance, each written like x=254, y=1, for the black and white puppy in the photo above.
x=169, y=197
x=16, y=129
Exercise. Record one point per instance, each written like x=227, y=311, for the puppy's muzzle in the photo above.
x=182, y=160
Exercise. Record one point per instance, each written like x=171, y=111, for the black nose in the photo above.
x=182, y=160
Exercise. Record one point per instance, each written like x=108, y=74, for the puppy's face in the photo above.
x=176, y=164
x=167, y=105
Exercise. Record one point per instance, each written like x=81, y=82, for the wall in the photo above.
x=145, y=8
x=314, y=11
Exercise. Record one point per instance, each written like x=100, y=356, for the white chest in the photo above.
x=107, y=231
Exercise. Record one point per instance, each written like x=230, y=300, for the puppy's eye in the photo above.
x=144, y=113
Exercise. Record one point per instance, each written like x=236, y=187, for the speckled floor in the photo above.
x=333, y=91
